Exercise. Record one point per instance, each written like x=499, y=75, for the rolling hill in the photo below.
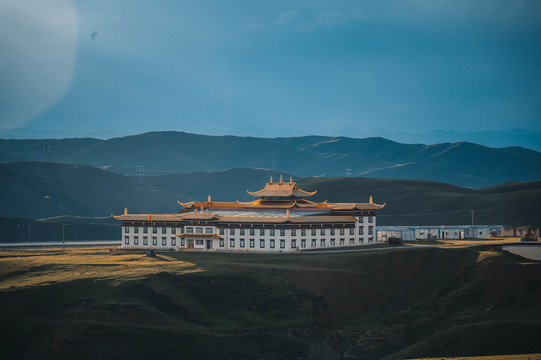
x=463, y=164
x=37, y=190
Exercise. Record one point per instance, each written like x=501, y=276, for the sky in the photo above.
x=270, y=68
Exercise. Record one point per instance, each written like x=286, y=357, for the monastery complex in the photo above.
x=281, y=219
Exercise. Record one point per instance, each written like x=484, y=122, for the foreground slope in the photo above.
x=397, y=303
x=463, y=164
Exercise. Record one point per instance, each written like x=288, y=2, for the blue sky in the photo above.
x=271, y=68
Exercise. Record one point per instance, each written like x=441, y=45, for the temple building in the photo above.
x=281, y=219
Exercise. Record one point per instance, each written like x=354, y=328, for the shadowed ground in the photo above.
x=400, y=303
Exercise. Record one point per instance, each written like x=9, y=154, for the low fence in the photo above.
x=56, y=244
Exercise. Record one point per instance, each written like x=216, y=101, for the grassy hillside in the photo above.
x=463, y=164
x=412, y=202
x=42, y=189
x=394, y=304
x=230, y=185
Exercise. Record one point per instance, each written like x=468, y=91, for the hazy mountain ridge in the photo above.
x=464, y=164
x=42, y=190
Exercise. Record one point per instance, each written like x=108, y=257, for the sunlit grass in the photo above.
x=494, y=357
x=24, y=268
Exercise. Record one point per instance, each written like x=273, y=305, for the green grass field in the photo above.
x=395, y=304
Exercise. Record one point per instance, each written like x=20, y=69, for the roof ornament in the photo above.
x=287, y=213
x=201, y=209
x=209, y=200
x=291, y=179
x=371, y=200
x=281, y=180
x=126, y=210
x=271, y=179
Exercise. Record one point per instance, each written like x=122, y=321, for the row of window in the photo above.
x=370, y=219
x=272, y=232
x=145, y=240
x=282, y=232
x=293, y=243
x=189, y=229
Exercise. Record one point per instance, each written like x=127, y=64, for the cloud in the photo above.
x=322, y=20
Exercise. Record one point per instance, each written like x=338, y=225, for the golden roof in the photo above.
x=281, y=189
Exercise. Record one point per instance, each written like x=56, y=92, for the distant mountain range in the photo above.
x=462, y=164
x=39, y=190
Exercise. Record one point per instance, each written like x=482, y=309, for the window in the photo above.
x=136, y=229
x=293, y=232
x=352, y=231
x=164, y=241
x=173, y=230
x=271, y=243
x=252, y=232
x=332, y=232
x=164, y=230
x=313, y=232
x=303, y=232
x=127, y=240
x=313, y=243
x=252, y=243
x=222, y=242
x=145, y=230
x=370, y=230
x=209, y=231
x=322, y=231
x=361, y=230
x=145, y=240
x=136, y=240
x=342, y=231
x=293, y=244
x=189, y=230
x=231, y=231
x=352, y=241
x=242, y=231
x=199, y=242
x=126, y=229
x=370, y=219
x=361, y=219
x=282, y=244
x=333, y=242
x=343, y=242
x=262, y=232
x=222, y=231
x=154, y=240
x=361, y=241
x=322, y=242
x=241, y=243
x=232, y=243
x=198, y=230
x=173, y=242
x=303, y=243
x=182, y=242
x=272, y=232
x=282, y=232
x=262, y=244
